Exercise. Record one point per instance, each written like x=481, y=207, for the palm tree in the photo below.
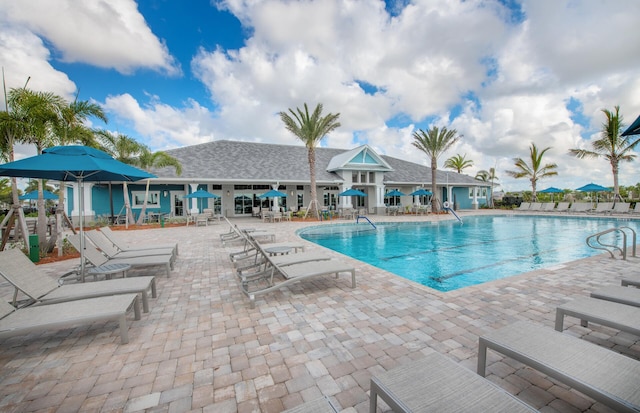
x=535, y=170
x=310, y=129
x=488, y=176
x=611, y=145
x=434, y=143
x=458, y=163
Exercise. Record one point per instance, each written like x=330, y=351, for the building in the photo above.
x=239, y=172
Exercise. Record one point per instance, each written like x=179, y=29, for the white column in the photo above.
x=193, y=202
x=474, y=203
x=275, y=198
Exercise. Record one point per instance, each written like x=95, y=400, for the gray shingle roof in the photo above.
x=237, y=161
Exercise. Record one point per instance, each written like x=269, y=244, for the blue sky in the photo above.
x=503, y=73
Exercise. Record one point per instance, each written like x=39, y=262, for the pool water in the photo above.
x=448, y=255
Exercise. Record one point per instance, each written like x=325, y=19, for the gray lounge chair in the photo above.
x=548, y=207
x=562, y=207
x=111, y=251
x=28, y=278
x=524, y=206
x=15, y=322
x=602, y=208
x=438, y=384
x=618, y=294
x=121, y=243
x=96, y=258
x=577, y=207
x=604, y=375
x=621, y=208
x=607, y=313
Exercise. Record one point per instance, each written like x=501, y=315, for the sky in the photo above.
x=503, y=73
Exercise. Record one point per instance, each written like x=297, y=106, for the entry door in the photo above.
x=177, y=203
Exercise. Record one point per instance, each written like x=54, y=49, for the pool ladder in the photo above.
x=610, y=248
x=454, y=214
x=365, y=218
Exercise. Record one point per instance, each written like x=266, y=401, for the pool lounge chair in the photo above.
x=28, y=278
x=524, y=206
x=15, y=322
x=97, y=259
x=602, y=374
x=562, y=207
x=106, y=246
x=619, y=294
x=602, y=208
x=577, y=207
x=438, y=384
x=621, y=208
x=607, y=313
x=548, y=207
x=535, y=206
x=122, y=244
x=636, y=208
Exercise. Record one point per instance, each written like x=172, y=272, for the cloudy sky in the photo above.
x=503, y=73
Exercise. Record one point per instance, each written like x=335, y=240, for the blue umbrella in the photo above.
x=395, y=192
x=420, y=192
x=272, y=194
x=352, y=192
x=201, y=194
x=593, y=188
x=74, y=163
x=551, y=190
x=33, y=195
x=634, y=129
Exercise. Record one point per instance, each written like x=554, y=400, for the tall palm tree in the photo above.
x=611, y=145
x=534, y=171
x=434, y=143
x=488, y=176
x=310, y=129
x=159, y=159
x=458, y=163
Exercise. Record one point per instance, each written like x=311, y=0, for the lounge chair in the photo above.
x=110, y=250
x=535, y=206
x=631, y=281
x=97, y=259
x=607, y=313
x=293, y=273
x=121, y=243
x=602, y=208
x=562, y=207
x=577, y=207
x=438, y=384
x=636, y=208
x=602, y=374
x=621, y=208
x=28, y=278
x=548, y=207
x=524, y=206
x=15, y=322
x=622, y=295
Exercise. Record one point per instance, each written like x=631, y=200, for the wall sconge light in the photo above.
x=291, y=193
x=165, y=193
x=228, y=193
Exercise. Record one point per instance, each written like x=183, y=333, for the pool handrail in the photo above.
x=364, y=217
x=609, y=247
x=454, y=214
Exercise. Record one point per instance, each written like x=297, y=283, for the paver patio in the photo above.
x=203, y=349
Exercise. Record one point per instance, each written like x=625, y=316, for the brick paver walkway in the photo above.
x=203, y=349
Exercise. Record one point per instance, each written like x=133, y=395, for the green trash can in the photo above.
x=34, y=248
x=161, y=221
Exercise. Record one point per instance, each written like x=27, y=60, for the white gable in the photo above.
x=360, y=158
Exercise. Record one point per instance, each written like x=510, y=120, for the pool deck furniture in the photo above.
x=111, y=251
x=40, y=288
x=535, y=207
x=607, y=313
x=438, y=384
x=120, y=242
x=602, y=208
x=562, y=207
x=621, y=208
x=14, y=322
x=548, y=207
x=321, y=405
x=602, y=374
x=630, y=281
x=524, y=206
x=580, y=207
x=619, y=294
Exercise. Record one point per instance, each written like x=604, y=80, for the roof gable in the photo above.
x=360, y=158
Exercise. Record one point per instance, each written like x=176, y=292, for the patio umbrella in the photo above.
x=551, y=190
x=421, y=192
x=352, y=192
x=591, y=187
x=201, y=194
x=395, y=192
x=634, y=129
x=272, y=194
x=74, y=163
x=33, y=195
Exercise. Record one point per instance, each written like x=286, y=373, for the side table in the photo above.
x=108, y=270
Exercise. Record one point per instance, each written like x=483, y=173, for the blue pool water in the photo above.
x=448, y=255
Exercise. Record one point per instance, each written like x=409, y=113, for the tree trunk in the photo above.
x=127, y=205
x=434, y=188
x=144, y=204
x=313, y=205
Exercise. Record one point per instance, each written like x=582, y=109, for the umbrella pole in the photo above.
x=81, y=216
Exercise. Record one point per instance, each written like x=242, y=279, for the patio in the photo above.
x=203, y=349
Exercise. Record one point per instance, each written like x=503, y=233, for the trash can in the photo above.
x=34, y=248
x=161, y=221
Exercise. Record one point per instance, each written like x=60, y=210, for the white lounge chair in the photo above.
x=122, y=244
x=604, y=375
x=621, y=208
x=110, y=250
x=535, y=206
x=437, y=384
x=607, y=313
x=577, y=207
x=15, y=322
x=602, y=208
x=619, y=294
x=97, y=259
x=562, y=207
x=548, y=207
x=524, y=206
x=28, y=278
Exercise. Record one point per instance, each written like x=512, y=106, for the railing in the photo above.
x=365, y=218
x=610, y=248
x=454, y=213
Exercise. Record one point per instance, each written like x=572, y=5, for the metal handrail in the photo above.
x=611, y=247
x=367, y=219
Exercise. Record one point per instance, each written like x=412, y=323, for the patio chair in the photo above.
x=436, y=383
x=548, y=207
x=97, y=259
x=636, y=208
x=578, y=207
x=602, y=208
x=619, y=294
x=121, y=243
x=110, y=250
x=607, y=313
x=524, y=206
x=621, y=208
x=602, y=374
x=15, y=322
x=28, y=278
x=535, y=206
x=562, y=207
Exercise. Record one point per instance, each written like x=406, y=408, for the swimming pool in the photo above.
x=447, y=255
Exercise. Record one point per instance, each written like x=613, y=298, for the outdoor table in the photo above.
x=108, y=270
x=278, y=250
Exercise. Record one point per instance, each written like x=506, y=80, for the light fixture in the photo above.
x=228, y=193
x=165, y=193
x=291, y=193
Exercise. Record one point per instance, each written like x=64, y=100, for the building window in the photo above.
x=363, y=177
x=354, y=177
x=153, y=199
x=372, y=177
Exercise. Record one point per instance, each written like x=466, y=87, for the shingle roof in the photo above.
x=237, y=161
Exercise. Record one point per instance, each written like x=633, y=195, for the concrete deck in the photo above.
x=203, y=349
